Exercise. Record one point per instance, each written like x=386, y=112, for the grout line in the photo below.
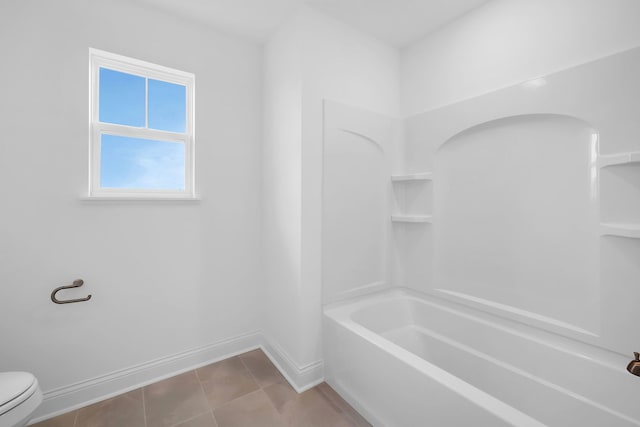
x=195, y=371
x=239, y=397
x=190, y=418
x=226, y=403
x=253, y=375
x=75, y=419
x=215, y=420
x=250, y=372
x=273, y=405
x=144, y=407
x=204, y=393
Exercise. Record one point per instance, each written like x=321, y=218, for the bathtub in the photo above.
x=408, y=359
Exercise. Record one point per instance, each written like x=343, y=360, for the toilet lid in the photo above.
x=14, y=384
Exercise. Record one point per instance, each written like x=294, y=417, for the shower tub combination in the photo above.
x=517, y=279
x=406, y=359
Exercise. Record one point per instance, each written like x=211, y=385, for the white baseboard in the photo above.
x=301, y=378
x=74, y=396
x=78, y=395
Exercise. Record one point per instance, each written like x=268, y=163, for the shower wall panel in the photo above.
x=358, y=153
x=535, y=202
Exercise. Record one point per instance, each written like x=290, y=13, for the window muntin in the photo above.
x=141, y=129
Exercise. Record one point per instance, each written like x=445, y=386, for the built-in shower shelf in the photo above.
x=423, y=176
x=619, y=159
x=412, y=218
x=621, y=230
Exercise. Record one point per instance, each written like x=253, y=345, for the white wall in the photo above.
x=508, y=41
x=165, y=277
x=346, y=66
x=315, y=57
x=281, y=186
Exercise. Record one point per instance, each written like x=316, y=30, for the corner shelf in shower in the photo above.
x=400, y=190
x=423, y=176
x=619, y=159
x=620, y=230
x=412, y=218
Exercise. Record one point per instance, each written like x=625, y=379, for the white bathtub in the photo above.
x=405, y=359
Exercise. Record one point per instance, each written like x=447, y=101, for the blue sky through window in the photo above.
x=136, y=163
x=122, y=98
x=167, y=102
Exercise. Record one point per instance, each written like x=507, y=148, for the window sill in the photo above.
x=170, y=199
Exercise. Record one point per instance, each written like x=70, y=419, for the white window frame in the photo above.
x=101, y=59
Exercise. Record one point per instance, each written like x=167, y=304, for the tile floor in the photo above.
x=242, y=391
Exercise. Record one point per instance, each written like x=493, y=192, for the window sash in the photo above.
x=99, y=129
x=100, y=59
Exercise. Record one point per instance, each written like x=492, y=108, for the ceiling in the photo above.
x=397, y=22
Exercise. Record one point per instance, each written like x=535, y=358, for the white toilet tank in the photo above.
x=20, y=395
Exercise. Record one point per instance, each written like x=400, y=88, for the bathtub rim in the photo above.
x=578, y=346
x=340, y=313
x=343, y=314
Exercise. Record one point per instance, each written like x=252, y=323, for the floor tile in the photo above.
x=65, y=420
x=226, y=380
x=126, y=410
x=174, y=400
x=311, y=408
x=347, y=409
x=252, y=410
x=204, y=420
x=280, y=394
x=261, y=367
x=242, y=391
x=224, y=368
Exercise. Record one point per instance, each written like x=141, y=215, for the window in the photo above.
x=141, y=129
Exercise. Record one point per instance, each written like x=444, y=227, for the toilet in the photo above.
x=20, y=395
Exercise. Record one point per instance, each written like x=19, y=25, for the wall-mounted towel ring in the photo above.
x=76, y=284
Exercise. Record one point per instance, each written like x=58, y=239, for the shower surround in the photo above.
x=499, y=253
